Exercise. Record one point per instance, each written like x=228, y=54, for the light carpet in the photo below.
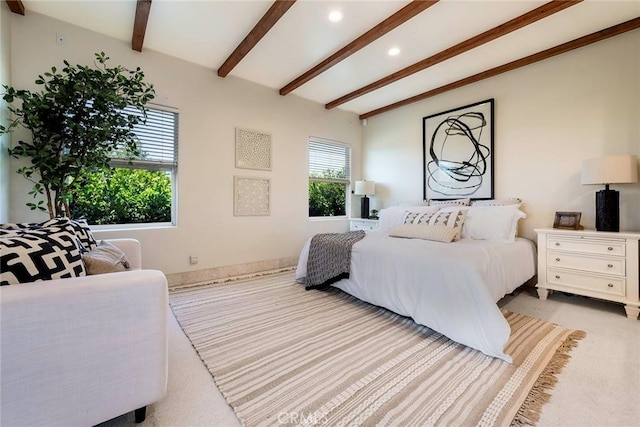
x=282, y=356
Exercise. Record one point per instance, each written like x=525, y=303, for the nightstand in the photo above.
x=591, y=263
x=363, y=224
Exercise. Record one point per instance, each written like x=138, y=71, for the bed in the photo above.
x=451, y=288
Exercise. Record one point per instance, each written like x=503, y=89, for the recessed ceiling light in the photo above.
x=394, y=51
x=335, y=16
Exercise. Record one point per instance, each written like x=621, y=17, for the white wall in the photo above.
x=549, y=116
x=5, y=79
x=210, y=108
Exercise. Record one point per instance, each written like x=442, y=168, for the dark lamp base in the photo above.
x=608, y=210
x=364, y=207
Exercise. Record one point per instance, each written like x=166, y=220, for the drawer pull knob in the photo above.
x=557, y=259
x=610, y=265
x=557, y=277
x=609, y=248
x=610, y=285
x=557, y=244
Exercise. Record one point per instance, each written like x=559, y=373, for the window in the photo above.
x=329, y=177
x=136, y=191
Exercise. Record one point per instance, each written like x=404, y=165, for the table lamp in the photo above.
x=608, y=170
x=365, y=188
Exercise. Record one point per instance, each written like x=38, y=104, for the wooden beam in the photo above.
x=492, y=34
x=16, y=6
x=275, y=12
x=528, y=60
x=395, y=20
x=140, y=24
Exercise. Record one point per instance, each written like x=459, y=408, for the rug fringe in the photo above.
x=531, y=409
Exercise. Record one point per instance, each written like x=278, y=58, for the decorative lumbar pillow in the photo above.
x=492, y=223
x=105, y=258
x=455, y=202
x=496, y=202
x=418, y=217
x=43, y=253
x=437, y=233
x=452, y=219
x=394, y=215
x=449, y=217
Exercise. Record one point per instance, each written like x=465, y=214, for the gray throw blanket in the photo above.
x=330, y=258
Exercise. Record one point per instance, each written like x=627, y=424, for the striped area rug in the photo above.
x=285, y=356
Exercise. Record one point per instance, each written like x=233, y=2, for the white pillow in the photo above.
x=496, y=202
x=455, y=202
x=412, y=203
x=390, y=217
x=498, y=223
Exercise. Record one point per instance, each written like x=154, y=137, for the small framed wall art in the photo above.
x=251, y=196
x=567, y=220
x=253, y=149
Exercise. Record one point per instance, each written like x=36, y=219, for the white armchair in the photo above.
x=77, y=352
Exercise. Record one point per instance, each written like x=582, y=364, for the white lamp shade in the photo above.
x=367, y=188
x=610, y=170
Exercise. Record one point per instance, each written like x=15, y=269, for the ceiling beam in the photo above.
x=492, y=34
x=528, y=60
x=275, y=12
x=395, y=20
x=16, y=6
x=140, y=24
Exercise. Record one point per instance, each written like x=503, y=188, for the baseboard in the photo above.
x=224, y=272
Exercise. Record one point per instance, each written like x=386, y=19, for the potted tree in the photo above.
x=77, y=122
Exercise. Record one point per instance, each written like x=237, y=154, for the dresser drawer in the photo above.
x=605, y=285
x=586, y=245
x=363, y=225
x=579, y=262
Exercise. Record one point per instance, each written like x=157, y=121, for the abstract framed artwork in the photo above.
x=457, y=150
x=253, y=149
x=251, y=196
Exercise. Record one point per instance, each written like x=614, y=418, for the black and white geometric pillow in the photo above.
x=43, y=253
x=83, y=233
x=80, y=228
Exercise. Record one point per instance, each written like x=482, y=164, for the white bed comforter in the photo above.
x=451, y=288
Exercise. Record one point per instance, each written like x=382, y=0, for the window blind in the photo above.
x=329, y=161
x=157, y=138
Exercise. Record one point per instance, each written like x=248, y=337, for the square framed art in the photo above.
x=251, y=196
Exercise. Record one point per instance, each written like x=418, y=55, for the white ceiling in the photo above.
x=206, y=32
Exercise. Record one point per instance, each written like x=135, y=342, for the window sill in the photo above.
x=128, y=227
x=328, y=218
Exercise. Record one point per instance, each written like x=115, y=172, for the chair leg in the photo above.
x=140, y=414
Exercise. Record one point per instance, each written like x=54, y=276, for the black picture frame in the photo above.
x=457, y=152
x=567, y=220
